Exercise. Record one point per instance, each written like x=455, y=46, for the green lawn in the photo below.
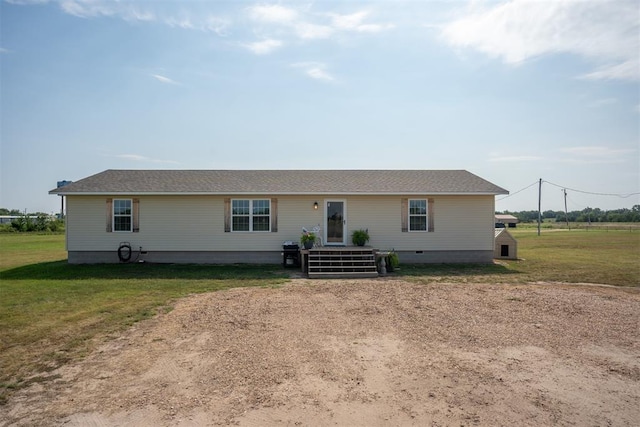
x=576, y=256
x=19, y=249
x=52, y=312
x=601, y=256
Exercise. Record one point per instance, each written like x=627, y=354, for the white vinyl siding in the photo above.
x=460, y=223
x=197, y=223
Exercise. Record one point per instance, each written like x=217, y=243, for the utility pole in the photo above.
x=539, y=204
x=566, y=215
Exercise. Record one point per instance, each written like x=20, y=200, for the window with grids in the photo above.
x=250, y=215
x=418, y=215
x=122, y=215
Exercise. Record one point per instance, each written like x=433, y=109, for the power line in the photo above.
x=575, y=204
x=622, y=196
x=513, y=194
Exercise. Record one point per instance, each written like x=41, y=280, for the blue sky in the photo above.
x=512, y=91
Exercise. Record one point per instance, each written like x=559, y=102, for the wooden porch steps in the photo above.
x=343, y=262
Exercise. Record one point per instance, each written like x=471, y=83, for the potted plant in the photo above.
x=360, y=237
x=307, y=239
x=393, y=262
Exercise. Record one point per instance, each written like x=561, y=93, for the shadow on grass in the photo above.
x=61, y=270
x=455, y=270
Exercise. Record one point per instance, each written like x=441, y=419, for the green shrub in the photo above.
x=7, y=228
x=41, y=223
x=360, y=237
x=393, y=260
x=56, y=225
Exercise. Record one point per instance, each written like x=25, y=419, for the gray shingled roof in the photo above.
x=114, y=181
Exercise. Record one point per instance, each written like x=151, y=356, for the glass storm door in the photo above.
x=336, y=221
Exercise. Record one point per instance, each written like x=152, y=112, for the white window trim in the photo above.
x=113, y=216
x=251, y=230
x=426, y=216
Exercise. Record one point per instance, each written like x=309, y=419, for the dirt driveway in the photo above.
x=361, y=353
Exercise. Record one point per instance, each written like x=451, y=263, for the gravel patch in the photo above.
x=361, y=353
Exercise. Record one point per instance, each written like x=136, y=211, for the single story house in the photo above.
x=503, y=220
x=506, y=246
x=244, y=216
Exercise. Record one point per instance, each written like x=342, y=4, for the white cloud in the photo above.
x=354, y=22
x=281, y=21
x=272, y=13
x=140, y=15
x=603, y=31
x=319, y=74
x=315, y=70
x=263, y=47
x=216, y=25
x=86, y=9
x=274, y=24
x=348, y=22
x=207, y=24
x=309, y=31
x=91, y=8
x=164, y=79
x=183, y=22
x=143, y=12
x=3, y=50
x=628, y=70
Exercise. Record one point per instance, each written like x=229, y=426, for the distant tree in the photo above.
x=585, y=215
x=12, y=212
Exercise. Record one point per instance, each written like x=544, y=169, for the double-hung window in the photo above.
x=418, y=215
x=122, y=215
x=250, y=215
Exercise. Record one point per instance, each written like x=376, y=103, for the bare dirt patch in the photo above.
x=355, y=353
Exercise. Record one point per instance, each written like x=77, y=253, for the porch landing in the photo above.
x=339, y=262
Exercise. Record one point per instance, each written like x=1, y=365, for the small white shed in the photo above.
x=505, y=246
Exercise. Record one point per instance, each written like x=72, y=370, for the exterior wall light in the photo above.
x=315, y=206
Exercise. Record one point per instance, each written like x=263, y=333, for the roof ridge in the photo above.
x=282, y=181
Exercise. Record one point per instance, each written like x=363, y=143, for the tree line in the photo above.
x=585, y=215
x=25, y=222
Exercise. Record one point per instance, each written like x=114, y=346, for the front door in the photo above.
x=335, y=214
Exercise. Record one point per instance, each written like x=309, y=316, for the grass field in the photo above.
x=587, y=256
x=52, y=312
